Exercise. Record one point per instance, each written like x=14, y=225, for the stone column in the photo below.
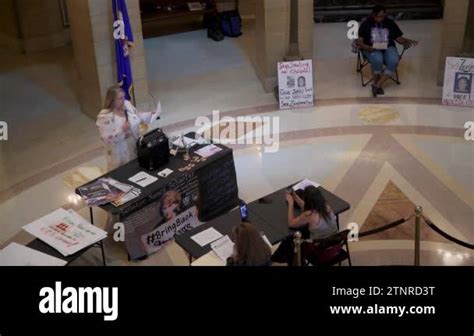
x=94, y=52
x=273, y=36
x=306, y=27
x=454, y=29
x=272, y=39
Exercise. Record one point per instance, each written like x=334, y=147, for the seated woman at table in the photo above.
x=317, y=215
x=317, y=221
x=249, y=247
x=118, y=125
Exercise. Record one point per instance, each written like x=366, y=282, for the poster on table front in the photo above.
x=458, y=88
x=173, y=211
x=295, y=84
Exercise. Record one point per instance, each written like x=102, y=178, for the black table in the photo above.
x=210, y=185
x=269, y=214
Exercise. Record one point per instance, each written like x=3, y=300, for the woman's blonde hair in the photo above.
x=110, y=96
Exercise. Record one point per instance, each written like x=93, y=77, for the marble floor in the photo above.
x=383, y=156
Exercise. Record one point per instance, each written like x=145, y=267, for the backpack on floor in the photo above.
x=231, y=23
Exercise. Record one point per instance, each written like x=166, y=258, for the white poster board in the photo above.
x=295, y=84
x=458, y=88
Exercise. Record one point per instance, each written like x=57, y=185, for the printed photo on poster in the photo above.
x=170, y=206
x=301, y=82
x=458, y=76
x=148, y=229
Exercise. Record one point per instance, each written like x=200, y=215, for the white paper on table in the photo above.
x=223, y=247
x=18, y=255
x=143, y=179
x=165, y=172
x=305, y=183
x=208, y=150
x=207, y=236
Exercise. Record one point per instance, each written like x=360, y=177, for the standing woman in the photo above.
x=119, y=127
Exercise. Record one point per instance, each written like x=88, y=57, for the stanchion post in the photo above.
x=297, y=240
x=418, y=212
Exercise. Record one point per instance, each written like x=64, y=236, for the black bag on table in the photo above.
x=153, y=150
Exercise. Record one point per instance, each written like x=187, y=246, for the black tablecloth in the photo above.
x=206, y=190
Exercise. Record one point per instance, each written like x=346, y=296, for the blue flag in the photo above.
x=123, y=42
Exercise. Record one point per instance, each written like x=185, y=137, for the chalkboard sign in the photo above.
x=218, y=191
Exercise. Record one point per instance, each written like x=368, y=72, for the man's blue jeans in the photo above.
x=378, y=58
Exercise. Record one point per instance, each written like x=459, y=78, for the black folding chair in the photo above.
x=362, y=62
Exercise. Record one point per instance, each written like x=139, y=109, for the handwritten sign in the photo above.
x=458, y=88
x=295, y=84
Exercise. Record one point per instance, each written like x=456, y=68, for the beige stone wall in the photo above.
x=9, y=29
x=94, y=52
x=272, y=39
x=454, y=29
x=88, y=86
x=41, y=24
x=247, y=8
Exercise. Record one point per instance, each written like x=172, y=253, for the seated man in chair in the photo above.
x=377, y=36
